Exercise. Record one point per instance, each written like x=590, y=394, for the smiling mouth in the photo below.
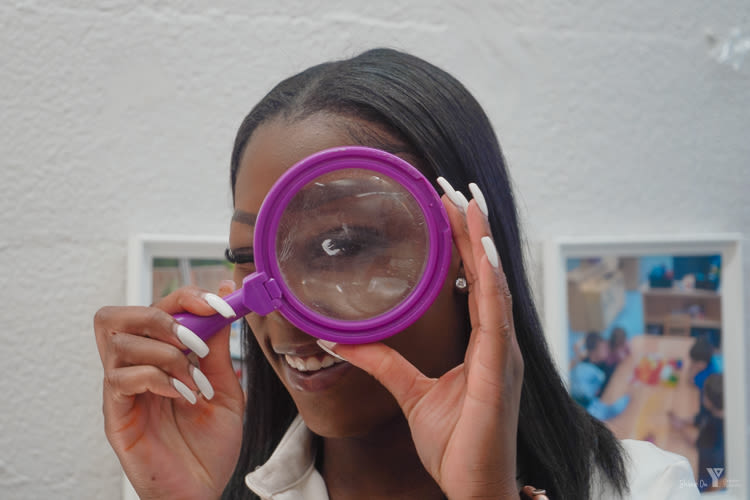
x=311, y=363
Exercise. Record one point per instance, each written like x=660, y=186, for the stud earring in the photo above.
x=461, y=284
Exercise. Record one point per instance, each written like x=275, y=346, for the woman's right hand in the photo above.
x=169, y=446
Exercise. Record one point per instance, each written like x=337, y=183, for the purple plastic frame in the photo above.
x=264, y=290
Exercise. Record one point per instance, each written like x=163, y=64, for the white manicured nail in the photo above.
x=456, y=197
x=191, y=340
x=328, y=346
x=220, y=305
x=490, y=251
x=479, y=198
x=184, y=390
x=463, y=200
x=202, y=382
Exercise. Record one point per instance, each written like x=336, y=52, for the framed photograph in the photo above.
x=649, y=336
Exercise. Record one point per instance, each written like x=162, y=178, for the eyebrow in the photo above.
x=244, y=217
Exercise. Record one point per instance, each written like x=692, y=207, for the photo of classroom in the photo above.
x=644, y=340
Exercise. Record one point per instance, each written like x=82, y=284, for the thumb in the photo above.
x=402, y=379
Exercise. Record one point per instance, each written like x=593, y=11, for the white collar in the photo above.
x=290, y=464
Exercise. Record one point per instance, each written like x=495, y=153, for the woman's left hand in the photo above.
x=464, y=423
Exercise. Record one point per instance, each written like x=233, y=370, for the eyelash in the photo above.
x=350, y=241
x=238, y=259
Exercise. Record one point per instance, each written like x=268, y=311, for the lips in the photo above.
x=309, y=369
x=311, y=363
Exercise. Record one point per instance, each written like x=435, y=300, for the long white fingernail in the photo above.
x=328, y=346
x=202, y=382
x=479, y=198
x=220, y=305
x=490, y=251
x=462, y=199
x=458, y=199
x=191, y=340
x=183, y=390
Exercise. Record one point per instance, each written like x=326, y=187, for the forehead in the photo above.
x=277, y=145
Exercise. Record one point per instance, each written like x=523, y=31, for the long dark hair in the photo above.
x=559, y=445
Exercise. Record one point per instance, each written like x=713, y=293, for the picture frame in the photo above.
x=664, y=295
x=144, y=248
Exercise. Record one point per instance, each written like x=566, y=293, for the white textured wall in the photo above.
x=118, y=117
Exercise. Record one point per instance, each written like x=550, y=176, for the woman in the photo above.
x=465, y=403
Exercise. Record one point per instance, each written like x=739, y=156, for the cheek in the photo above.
x=272, y=328
x=259, y=327
x=238, y=274
x=437, y=341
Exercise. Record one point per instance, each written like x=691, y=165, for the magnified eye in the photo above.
x=351, y=245
x=346, y=242
x=330, y=247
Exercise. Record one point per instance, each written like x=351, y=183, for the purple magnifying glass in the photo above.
x=351, y=244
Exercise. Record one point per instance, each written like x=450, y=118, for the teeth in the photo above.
x=312, y=363
x=299, y=364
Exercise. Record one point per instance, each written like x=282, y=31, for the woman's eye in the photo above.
x=242, y=270
x=339, y=246
x=347, y=242
x=245, y=268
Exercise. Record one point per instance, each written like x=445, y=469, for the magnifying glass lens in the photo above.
x=352, y=244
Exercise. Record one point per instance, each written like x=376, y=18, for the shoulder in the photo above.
x=654, y=473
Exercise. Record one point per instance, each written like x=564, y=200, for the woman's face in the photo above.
x=336, y=400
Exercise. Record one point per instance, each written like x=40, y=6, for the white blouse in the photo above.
x=290, y=473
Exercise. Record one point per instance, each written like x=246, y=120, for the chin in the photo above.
x=348, y=419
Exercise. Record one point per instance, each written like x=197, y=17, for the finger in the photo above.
x=218, y=365
x=149, y=322
x=219, y=343
x=121, y=385
x=460, y=234
x=226, y=287
x=133, y=350
x=455, y=206
x=462, y=216
x=195, y=300
x=126, y=349
x=477, y=227
x=495, y=301
x=462, y=242
x=477, y=224
x=496, y=365
x=534, y=493
x=402, y=379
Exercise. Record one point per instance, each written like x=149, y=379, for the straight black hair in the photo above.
x=559, y=446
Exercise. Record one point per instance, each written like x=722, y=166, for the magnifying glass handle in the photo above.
x=259, y=294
